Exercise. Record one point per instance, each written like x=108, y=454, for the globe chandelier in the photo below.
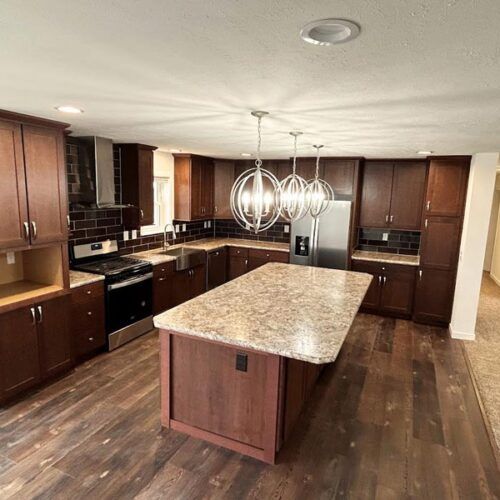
x=319, y=193
x=294, y=202
x=256, y=193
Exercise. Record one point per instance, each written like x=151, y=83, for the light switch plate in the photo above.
x=385, y=236
x=209, y=224
x=177, y=228
x=205, y=224
x=286, y=228
x=183, y=228
x=134, y=234
x=11, y=258
x=125, y=235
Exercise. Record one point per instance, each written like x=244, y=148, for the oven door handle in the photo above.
x=132, y=281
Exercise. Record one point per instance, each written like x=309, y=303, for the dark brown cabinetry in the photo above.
x=257, y=257
x=238, y=262
x=188, y=284
x=87, y=320
x=194, y=187
x=440, y=242
x=392, y=289
x=341, y=175
x=34, y=345
x=33, y=171
x=392, y=194
x=163, y=286
x=217, y=268
x=223, y=183
x=137, y=179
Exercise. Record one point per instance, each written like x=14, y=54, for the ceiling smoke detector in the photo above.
x=329, y=31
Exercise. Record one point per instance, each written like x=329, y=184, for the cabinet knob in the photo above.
x=216, y=253
x=161, y=279
x=89, y=313
x=267, y=255
x=89, y=292
x=91, y=339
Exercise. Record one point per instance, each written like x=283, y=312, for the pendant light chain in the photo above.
x=258, y=161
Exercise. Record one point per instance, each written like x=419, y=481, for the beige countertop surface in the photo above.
x=294, y=311
x=157, y=256
x=388, y=258
x=79, y=278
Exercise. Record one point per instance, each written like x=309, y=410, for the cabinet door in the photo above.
x=196, y=187
x=447, y=187
x=407, y=197
x=55, y=342
x=434, y=296
x=440, y=242
x=181, y=287
x=371, y=302
x=306, y=168
x=87, y=326
x=217, y=267
x=283, y=169
x=198, y=281
x=340, y=175
x=146, y=196
x=19, y=362
x=163, y=287
x=45, y=180
x=13, y=205
x=223, y=183
x=207, y=188
x=398, y=285
x=237, y=266
x=376, y=194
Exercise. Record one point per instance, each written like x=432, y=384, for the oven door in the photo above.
x=128, y=301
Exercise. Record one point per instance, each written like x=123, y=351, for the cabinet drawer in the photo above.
x=268, y=255
x=238, y=252
x=87, y=341
x=162, y=270
x=87, y=292
x=88, y=315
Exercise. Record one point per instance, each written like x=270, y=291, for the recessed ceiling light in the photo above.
x=425, y=152
x=246, y=154
x=69, y=109
x=329, y=31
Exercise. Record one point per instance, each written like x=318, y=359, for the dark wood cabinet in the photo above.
x=87, y=320
x=188, y=284
x=217, y=268
x=238, y=262
x=13, y=201
x=447, y=186
x=392, y=194
x=392, y=289
x=340, y=174
x=137, y=179
x=223, y=183
x=163, y=287
x=306, y=168
x=54, y=336
x=434, y=296
x=440, y=242
x=258, y=257
x=19, y=358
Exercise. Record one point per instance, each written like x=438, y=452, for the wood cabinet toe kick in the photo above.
x=244, y=400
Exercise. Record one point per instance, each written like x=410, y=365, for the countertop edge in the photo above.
x=387, y=260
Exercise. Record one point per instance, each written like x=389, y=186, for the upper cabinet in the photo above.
x=33, y=192
x=447, y=186
x=137, y=179
x=392, y=194
x=223, y=182
x=194, y=187
x=341, y=174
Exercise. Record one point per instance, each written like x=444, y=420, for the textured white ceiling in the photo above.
x=185, y=74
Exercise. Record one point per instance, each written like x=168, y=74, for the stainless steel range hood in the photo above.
x=96, y=172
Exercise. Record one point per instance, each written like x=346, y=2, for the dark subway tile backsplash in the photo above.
x=398, y=242
x=229, y=228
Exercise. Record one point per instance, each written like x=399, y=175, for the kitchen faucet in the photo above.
x=166, y=244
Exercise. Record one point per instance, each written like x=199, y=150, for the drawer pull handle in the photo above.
x=386, y=218
x=392, y=218
x=385, y=280
x=33, y=227
x=40, y=314
x=420, y=275
x=428, y=206
x=426, y=223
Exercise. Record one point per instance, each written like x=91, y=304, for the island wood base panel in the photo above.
x=206, y=395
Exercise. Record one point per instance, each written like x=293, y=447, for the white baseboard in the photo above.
x=461, y=335
x=495, y=279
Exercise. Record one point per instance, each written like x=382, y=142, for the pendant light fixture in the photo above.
x=319, y=192
x=256, y=193
x=294, y=202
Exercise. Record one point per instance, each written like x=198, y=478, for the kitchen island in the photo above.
x=238, y=363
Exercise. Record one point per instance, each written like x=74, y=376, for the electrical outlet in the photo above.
x=177, y=228
x=134, y=234
x=247, y=227
x=385, y=236
x=183, y=228
x=204, y=224
x=209, y=224
x=286, y=228
x=11, y=258
x=125, y=236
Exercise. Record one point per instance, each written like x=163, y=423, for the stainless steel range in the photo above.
x=129, y=289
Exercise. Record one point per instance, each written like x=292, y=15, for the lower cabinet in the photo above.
x=434, y=296
x=392, y=289
x=88, y=320
x=35, y=345
x=188, y=284
x=163, y=278
x=238, y=262
x=242, y=260
x=217, y=268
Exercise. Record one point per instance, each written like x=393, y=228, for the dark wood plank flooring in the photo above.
x=395, y=417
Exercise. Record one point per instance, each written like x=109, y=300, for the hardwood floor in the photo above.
x=395, y=417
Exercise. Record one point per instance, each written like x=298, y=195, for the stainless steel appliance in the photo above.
x=322, y=242
x=128, y=289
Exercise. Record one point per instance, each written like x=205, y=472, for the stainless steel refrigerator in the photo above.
x=323, y=242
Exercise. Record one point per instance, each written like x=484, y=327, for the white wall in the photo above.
x=492, y=231
x=495, y=257
x=163, y=166
x=473, y=245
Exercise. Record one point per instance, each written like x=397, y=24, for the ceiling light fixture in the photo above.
x=69, y=109
x=329, y=31
x=425, y=152
x=256, y=194
x=293, y=190
x=319, y=192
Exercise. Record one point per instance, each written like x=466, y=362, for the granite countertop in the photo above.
x=295, y=311
x=389, y=258
x=79, y=278
x=157, y=256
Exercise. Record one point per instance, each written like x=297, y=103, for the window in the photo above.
x=162, y=206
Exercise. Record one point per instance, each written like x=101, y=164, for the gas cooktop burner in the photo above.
x=112, y=266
